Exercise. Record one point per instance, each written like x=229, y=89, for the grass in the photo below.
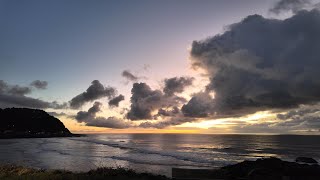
x=18, y=173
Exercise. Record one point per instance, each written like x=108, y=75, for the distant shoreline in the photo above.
x=27, y=136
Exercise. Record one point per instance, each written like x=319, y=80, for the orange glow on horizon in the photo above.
x=218, y=126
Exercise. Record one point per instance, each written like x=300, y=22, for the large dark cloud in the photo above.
x=144, y=101
x=129, y=76
x=95, y=91
x=176, y=84
x=116, y=100
x=15, y=96
x=39, y=84
x=260, y=64
x=290, y=5
x=90, y=118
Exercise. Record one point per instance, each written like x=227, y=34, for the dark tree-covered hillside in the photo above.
x=25, y=121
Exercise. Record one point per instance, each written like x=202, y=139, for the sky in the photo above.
x=215, y=66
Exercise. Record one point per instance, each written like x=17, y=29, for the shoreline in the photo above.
x=27, y=136
x=53, y=135
x=264, y=168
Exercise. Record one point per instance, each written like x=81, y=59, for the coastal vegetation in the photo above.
x=8, y=172
x=261, y=169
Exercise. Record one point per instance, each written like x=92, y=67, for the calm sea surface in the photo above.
x=155, y=153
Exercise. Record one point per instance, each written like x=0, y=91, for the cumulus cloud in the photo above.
x=39, y=84
x=95, y=91
x=144, y=101
x=159, y=108
x=129, y=76
x=90, y=118
x=15, y=96
x=176, y=84
x=116, y=100
x=200, y=105
x=259, y=64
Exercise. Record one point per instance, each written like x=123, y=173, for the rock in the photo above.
x=306, y=160
x=270, y=168
x=262, y=174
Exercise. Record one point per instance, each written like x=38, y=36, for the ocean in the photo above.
x=154, y=153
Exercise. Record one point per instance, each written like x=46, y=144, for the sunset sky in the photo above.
x=209, y=66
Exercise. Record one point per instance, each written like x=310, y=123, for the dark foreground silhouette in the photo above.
x=14, y=172
x=261, y=169
x=30, y=123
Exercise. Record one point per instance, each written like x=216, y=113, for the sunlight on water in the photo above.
x=153, y=152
